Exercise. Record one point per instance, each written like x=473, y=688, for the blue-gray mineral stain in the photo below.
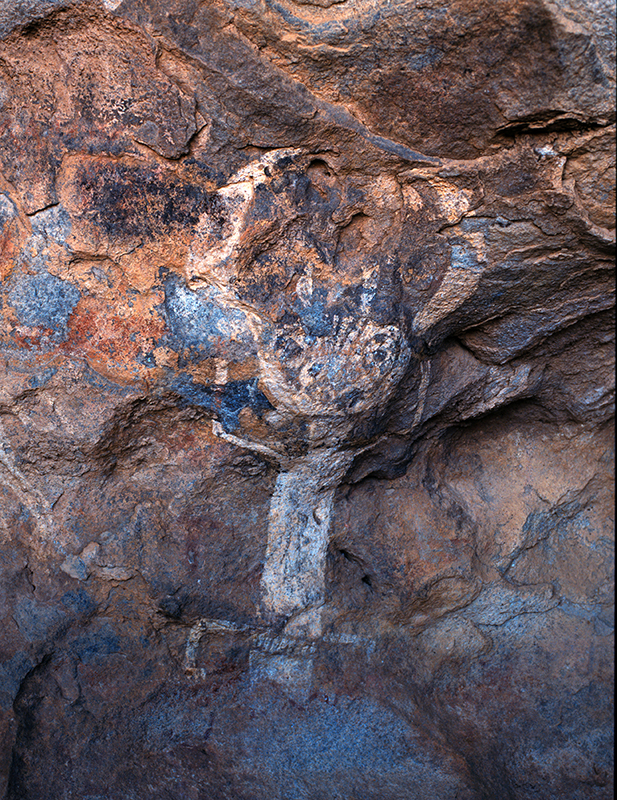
x=78, y=602
x=42, y=378
x=99, y=641
x=7, y=210
x=52, y=224
x=201, y=326
x=44, y=301
x=225, y=401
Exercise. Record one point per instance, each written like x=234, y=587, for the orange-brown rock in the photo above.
x=306, y=395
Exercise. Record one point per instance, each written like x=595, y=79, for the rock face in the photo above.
x=306, y=399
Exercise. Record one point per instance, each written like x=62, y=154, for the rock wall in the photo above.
x=306, y=399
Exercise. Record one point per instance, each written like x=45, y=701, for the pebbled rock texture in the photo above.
x=306, y=394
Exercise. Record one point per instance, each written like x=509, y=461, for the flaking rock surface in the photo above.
x=306, y=394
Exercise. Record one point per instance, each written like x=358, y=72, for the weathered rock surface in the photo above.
x=306, y=399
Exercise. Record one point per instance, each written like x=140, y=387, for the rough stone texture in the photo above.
x=306, y=398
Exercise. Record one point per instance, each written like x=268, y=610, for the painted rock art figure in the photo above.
x=330, y=384
x=320, y=383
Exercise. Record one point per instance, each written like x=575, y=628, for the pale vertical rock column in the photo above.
x=293, y=579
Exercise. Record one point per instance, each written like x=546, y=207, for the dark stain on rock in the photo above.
x=134, y=201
